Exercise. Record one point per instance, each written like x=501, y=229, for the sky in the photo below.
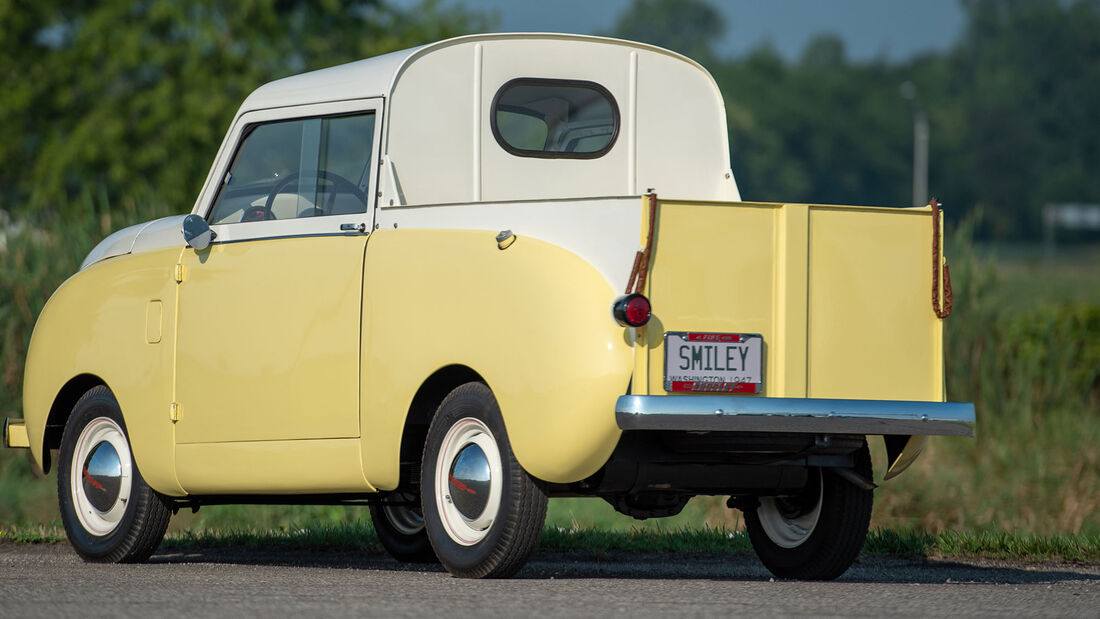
x=871, y=29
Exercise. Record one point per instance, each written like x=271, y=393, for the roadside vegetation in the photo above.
x=1023, y=342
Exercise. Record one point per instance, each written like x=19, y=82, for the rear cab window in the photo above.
x=551, y=118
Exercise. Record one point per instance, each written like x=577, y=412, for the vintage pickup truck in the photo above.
x=453, y=281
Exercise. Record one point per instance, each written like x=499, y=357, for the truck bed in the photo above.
x=840, y=294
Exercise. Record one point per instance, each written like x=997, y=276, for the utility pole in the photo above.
x=920, y=145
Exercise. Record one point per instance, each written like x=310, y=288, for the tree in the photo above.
x=1028, y=73
x=821, y=130
x=132, y=98
x=690, y=27
x=1014, y=110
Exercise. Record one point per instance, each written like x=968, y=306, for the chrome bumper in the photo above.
x=15, y=433
x=798, y=415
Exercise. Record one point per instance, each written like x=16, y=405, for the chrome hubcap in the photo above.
x=100, y=476
x=469, y=482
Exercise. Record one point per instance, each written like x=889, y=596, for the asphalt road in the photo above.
x=50, y=581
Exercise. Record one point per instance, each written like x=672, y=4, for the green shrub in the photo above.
x=1018, y=364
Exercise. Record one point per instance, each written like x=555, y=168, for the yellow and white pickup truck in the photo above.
x=453, y=281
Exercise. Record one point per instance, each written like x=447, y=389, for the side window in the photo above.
x=554, y=118
x=306, y=167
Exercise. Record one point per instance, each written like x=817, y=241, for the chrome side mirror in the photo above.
x=197, y=233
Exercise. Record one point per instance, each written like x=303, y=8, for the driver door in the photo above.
x=267, y=347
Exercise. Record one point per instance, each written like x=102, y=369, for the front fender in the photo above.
x=114, y=320
x=533, y=319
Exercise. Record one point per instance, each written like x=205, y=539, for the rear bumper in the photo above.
x=15, y=433
x=716, y=413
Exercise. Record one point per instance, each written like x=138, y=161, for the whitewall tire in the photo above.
x=482, y=511
x=109, y=512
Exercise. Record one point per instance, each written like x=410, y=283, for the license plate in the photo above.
x=714, y=362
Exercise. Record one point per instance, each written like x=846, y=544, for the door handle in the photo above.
x=360, y=228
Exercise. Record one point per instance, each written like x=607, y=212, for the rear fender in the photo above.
x=532, y=320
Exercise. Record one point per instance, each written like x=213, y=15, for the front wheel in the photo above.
x=483, y=512
x=817, y=533
x=110, y=514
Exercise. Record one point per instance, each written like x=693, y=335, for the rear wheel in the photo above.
x=399, y=522
x=110, y=514
x=483, y=512
x=817, y=533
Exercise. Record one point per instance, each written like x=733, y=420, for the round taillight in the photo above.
x=632, y=310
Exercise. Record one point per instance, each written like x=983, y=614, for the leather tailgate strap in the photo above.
x=939, y=264
x=636, y=282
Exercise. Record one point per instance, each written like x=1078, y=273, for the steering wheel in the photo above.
x=338, y=183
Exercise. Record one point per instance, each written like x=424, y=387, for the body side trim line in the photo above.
x=286, y=236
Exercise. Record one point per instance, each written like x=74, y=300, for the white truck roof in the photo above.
x=438, y=146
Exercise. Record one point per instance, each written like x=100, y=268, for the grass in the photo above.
x=1040, y=275
x=359, y=536
x=42, y=533
x=352, y=536
x=984, y=545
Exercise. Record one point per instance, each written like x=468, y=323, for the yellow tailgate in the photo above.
x=841, y=295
